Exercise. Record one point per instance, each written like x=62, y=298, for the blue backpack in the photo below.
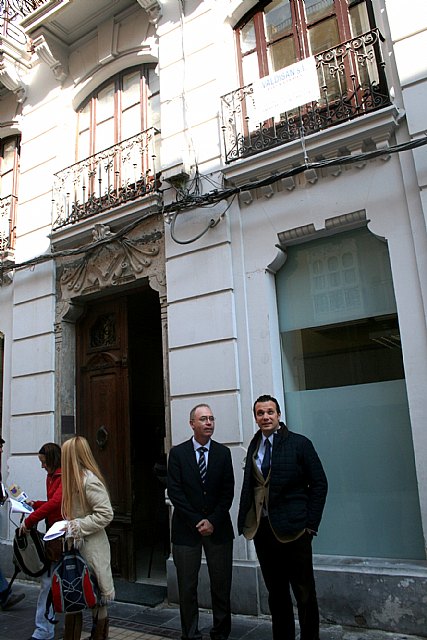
x=74, y=587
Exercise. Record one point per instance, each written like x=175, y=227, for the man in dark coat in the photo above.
x=281, y=504
x=201, y=488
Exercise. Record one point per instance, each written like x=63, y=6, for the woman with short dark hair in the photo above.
x=50, y=511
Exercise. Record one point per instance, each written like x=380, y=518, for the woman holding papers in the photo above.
x=49, y=510
x=86, y=506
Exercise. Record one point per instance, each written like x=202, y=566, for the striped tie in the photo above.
x=202, y=463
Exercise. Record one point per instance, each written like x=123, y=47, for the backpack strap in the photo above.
x=49, y=605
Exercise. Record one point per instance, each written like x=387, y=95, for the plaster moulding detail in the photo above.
x=153, y=9
x=120, y=261
x=51, y=54
x=11, y=79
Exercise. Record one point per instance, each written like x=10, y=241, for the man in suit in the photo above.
x=283, y=494
x=201, y=488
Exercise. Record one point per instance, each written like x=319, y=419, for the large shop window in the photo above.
x=345, y=389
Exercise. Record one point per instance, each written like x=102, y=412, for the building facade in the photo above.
x=209, y=200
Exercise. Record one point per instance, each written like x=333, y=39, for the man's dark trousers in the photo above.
x=285, y=564
x=219, y=561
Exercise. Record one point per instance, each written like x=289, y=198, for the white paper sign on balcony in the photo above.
x=284, y=90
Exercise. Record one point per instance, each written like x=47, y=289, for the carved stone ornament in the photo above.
x=153, y=9
x=117, y=262
x=52, y=55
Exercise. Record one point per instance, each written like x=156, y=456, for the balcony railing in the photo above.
x=109, y=178
x=20, y=7
x=7, y=225
x=352, y=83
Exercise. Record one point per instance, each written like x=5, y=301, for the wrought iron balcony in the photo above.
x=352, y=83
x=124, y=172
x=20, y=7
x=7, y=223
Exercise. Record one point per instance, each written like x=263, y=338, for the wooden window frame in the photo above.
x=301, y=28
x=15, y=180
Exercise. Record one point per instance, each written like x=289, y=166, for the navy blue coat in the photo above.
x=298, y=485
x=194, y=501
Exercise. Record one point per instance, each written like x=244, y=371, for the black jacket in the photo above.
x=298, y=484
x=192, y=500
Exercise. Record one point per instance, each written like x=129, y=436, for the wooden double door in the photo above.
x=120, y=410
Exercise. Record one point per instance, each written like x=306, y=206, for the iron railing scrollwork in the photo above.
x=123, y=172
x=11, y=12
x=7, y=227
x=352, y=83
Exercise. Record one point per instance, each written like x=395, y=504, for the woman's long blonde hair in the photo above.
x=76, y=458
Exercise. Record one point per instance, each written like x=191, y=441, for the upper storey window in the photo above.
x=340, y=39
x=121, y=108
x=116, y=155
x=9, y=168
x=279, y=33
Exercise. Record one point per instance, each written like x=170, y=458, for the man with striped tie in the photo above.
x=201, y=489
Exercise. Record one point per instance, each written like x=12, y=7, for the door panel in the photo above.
x=103, y=414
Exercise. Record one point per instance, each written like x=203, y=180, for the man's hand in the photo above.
x=23, y=529
x=205, y=528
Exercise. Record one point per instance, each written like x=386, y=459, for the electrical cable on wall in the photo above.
x=191, y=201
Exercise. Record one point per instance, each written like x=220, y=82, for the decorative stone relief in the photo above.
x=112, y=263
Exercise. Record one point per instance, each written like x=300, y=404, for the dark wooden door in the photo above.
x=103, y=414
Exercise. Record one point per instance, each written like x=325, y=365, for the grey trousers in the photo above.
x=219, y=559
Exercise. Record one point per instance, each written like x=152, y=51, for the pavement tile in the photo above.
x=135, y=622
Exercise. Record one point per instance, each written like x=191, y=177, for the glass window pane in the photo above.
x=8, y=158
x=84, y=145
x=357, y=352
x=324, y=35
x=317, y=9
x=84, y=117
x=278, y=19
x=104, y=135
x=131, y=122
x=131, y=93
x=282, y=54
x=105, y=103
x=247, y=37
x=154, y=111
x=153, y=81
x=359, y=20
x=250, y=68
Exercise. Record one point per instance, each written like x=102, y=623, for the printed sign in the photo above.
x=284, y=90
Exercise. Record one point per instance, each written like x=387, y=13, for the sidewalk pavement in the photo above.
x=136, y=622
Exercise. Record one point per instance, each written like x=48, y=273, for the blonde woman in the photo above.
x=87, y=508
